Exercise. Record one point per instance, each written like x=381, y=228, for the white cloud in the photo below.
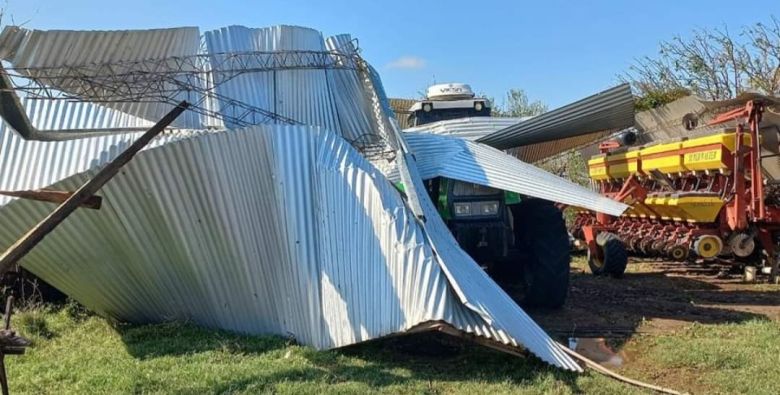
x=407, y=62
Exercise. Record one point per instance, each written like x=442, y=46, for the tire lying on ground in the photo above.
x=612, y=259
x=540, y=233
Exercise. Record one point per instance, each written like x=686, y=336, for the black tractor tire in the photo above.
x=541, y=235
x=614, y=258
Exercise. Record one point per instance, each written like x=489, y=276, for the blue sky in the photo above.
x=558, y=51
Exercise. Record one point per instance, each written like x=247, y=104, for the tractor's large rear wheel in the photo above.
x=541, y=236
x=611, y=257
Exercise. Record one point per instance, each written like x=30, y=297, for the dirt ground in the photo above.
x=654, y=298
x=657, y=297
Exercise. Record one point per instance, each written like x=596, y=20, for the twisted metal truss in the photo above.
x=170, y=80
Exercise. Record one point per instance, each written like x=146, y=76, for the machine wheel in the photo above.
x=612, y=257
x=540, y=232
x=679, y=252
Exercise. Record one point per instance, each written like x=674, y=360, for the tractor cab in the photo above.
x=448, y=101
x=521, y=242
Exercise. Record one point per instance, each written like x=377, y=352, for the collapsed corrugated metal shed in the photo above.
x=286, y=229
x=229, y=234
x=280, y=229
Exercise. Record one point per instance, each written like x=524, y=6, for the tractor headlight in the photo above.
x=478, y=106
x=462, y=209
x=476, y=209
x=489, y=208
x=427, y=107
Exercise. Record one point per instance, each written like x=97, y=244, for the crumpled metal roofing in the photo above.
x=331, y=98
x=280, y=229
x=610, y=109
x=459, y=159
x=275, y=229
x=37, y=164
x=40, y=49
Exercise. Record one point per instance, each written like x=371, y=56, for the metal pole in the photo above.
x=43, y=228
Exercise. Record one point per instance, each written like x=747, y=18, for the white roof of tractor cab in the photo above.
x=451, y=91
x=451, y=95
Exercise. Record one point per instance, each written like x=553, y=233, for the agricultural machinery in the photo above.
x=522, y=242
x=698, y=198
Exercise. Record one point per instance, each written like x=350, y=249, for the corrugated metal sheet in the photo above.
x=36, y=164
x=296, y=94
x=609, y=110
x=57, y=48
x=540, y=151
x=468, y=128
x=349, y=99
x=478, y=127
x=443, y=156
x=329, y=98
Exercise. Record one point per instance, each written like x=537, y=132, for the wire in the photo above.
x=601, y=369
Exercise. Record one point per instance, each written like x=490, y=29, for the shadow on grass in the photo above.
x=414, y=361
x=435, y=356
x=173, y=339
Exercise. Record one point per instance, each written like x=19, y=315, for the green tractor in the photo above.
x=521, y=242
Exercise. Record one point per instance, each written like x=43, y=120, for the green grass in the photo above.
x=78, y=353
x=90, y=355
x=729, y=358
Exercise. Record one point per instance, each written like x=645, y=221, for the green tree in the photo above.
x=652, y=98
x=517, y=104
x=712, y=63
